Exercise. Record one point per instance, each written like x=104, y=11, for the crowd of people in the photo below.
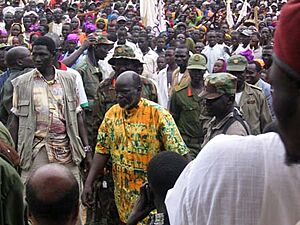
x=107, y=120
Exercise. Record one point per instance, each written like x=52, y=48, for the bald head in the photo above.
x=52, y=194
x=15, y=57
x=129, y=78
x=128, y=89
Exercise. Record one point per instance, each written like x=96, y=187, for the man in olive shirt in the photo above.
x=186, y=107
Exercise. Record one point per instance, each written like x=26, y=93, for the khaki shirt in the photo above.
x=254, y=107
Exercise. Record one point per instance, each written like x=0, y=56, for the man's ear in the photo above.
x=19, y=62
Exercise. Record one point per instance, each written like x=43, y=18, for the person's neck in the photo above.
x=182, y=69
x=240, y=88
x=48, y=73
x=234, y=47
x=145, y=51
x=221, y=116
x=172, y=67
x=122, y=43
x=16, y=68
x=92, y=59
x=197, y=85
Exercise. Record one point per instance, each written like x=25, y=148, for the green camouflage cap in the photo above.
x=237, y=63
x=123, y=52
x=197, y=62
x=100, y=39
x=218, y=84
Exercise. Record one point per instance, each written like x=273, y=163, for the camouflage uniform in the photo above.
x=233, y=123
x=91, y=77
x=106, y=211
x=189, y=111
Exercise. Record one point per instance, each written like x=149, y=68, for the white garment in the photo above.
x=237, y=181
x=238, y=97
x=238, y=50
x=150, y=64
x=79, y=86
x=180, y=75
x=57, y=28
x=105, y=68
x=213, y=54
x=257, y=53
x=162, y=88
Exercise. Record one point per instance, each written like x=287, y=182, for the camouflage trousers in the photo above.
x=105, y=211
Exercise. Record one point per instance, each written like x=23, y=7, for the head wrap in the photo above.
x=73, y=37
x=90, y=26
x=248, y=54
x=3, y=31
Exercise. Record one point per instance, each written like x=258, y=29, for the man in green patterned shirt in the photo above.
x=131, y=133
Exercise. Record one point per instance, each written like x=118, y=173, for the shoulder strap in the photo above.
x=236, y=117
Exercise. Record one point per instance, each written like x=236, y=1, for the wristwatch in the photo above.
x=87, y=149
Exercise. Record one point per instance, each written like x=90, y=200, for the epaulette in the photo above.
x=179, y=87
x=255, y=87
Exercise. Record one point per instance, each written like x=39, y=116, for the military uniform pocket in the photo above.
x=23, y=108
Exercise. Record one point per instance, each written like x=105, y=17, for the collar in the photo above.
x=247, y=89
x=37, y=73
x=62, y=66
x=132, y=111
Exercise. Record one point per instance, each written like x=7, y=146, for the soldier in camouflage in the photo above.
x=91, y=77
x=124, y=59
x=219, y=96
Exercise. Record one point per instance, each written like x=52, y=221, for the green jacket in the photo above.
x=189, y=114
x=254, y=107
x=91, y=77
x=25, y=111
x=5, y=135
x=11, y=192
x=7, y=93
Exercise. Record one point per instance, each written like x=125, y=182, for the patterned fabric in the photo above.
x=218, y=84
x=132, y=138
x=50, y=120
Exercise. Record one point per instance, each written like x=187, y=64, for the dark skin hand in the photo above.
x=69, y=61
x=143, y=206
x=98, y=164
x=83, y=135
